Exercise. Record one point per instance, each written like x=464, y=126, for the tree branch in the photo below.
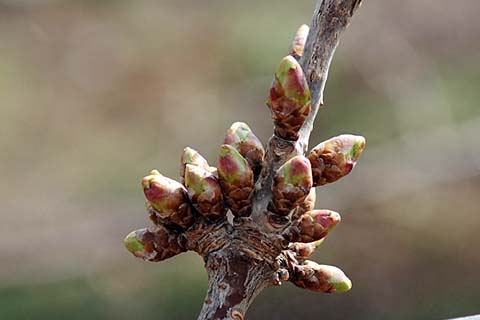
x=273, y=232
x=330, y=19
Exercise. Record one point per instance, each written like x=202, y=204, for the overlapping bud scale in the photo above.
x=241, y=137
x=168, y=198
x=304, y=250
x=335, y=158
x=204, y=192
x=307, y=205
x=312, y=226
x=291, y=185
x=191, y=156
x=153, y=245
x=321, y=278
x=289, y=99
x=236, y=179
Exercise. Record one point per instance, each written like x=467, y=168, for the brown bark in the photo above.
x=233, y=284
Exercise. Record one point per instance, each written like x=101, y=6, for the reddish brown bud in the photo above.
x=307, y=205
x=204, y=192
x=312, y=226
x=168, y=198
x=156, y=245
x=298, y=44
x=241, y=137
x=289, y=99
x=304, y=250
x=236, y=179
x=191, y=156
x=335, y=158
x=291, y=185
x=320, y=278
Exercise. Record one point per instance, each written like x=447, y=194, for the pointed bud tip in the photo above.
x=132, y=244
x=238, y=132
x=191, y=156
x=297, y=170
x=240, y=126
x=327, y=218
x=352, y=145
x=231, y=164
x=230, y=154
x=358, y=147
x=338, y=279
x=196, y=178
x=318, y=243
x=148, y=180
x=287, y=65
x=298, y=45
x=155, y=172
x=342, y=287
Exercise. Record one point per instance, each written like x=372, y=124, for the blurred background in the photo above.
x=94, y=94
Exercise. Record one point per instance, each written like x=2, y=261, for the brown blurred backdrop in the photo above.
x=94, y=94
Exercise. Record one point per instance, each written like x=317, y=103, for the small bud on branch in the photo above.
x=156, y=245
x=191, y=156
x=320, y=278
x=236, y=179
x=312, y=226
x=204, y=192
x=168, y=198
x=241, y=137
x=298, y=44
x=335, y=158
x=291, y=185
x=289, y=99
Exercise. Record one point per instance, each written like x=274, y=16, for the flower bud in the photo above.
x=204, y=192
x=289, y=99
x=298, y=44
x=236, y=179
x=304, y=250
x=191, y=156
x=320, y=278
x=335, y=158
x=241, y=137
x=291, y=185
x=312, y=226
x=168, y=198
x=156, y=245
x=307, y=205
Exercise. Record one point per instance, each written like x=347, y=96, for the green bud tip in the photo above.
x=197, y=179
x=298, y=44
x=191, y=156
x=163, y=193
x=297, y=171
x=336, y=278
x=238, y=132
x=352, y=146
x=241, y=137
x=155, y=172
x=328, y=219
x=132, y=244
x=231, y=164
x=318, y=243
x=292, y=80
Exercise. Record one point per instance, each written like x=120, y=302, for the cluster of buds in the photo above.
x=205, y=194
